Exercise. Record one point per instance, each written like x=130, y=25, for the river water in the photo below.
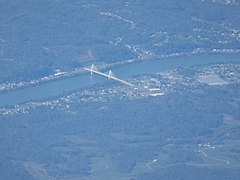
x=57, y=87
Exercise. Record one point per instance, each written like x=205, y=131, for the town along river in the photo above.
x=58, y=87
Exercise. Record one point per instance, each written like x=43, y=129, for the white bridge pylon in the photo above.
x=110, y=75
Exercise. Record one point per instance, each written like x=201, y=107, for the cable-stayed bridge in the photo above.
x=110, y=75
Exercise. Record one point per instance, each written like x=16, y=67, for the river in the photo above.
x=58, y=87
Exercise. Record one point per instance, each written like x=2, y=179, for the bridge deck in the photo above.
x=111, y=77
